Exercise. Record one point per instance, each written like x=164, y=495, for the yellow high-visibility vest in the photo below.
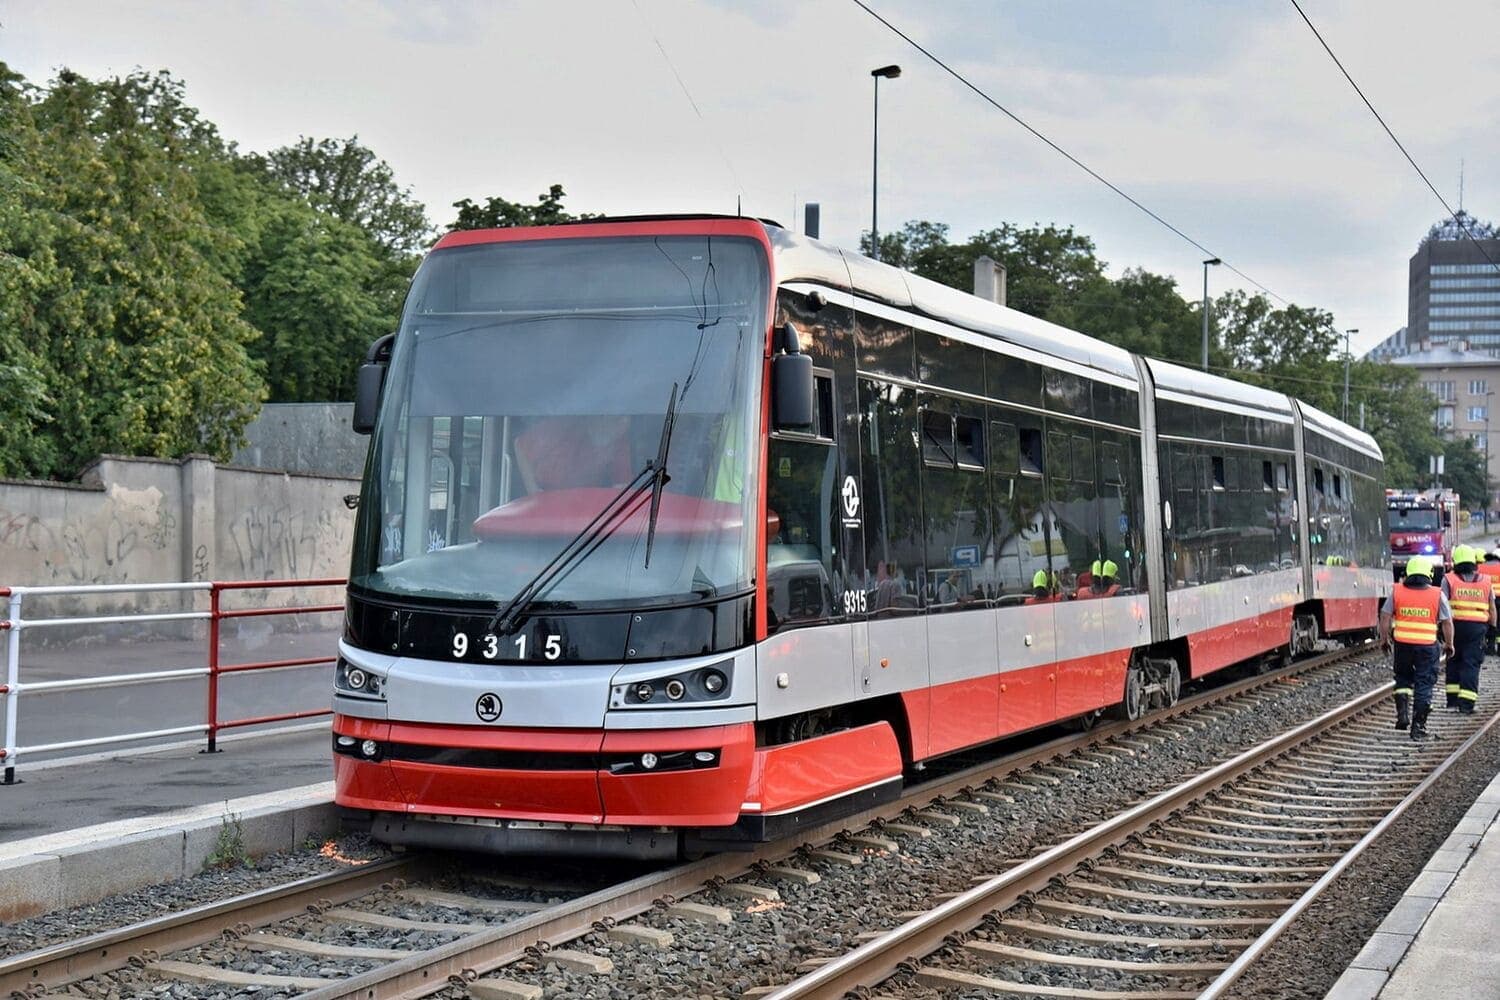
x=1415, y=621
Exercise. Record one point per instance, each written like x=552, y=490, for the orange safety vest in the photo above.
x=1416, y=615
x=1490, y=570
x=1471, y=600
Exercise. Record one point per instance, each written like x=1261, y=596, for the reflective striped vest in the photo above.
x=1490, y=570
x=1415, y=621
x=1470, y=600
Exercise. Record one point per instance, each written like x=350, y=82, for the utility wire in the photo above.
x=723, y=154
x=1435, y=192
x=1058, y=149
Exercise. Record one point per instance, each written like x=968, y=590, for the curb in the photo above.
x=79, y=867
x=1373, y=967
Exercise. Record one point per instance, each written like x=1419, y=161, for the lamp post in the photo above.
x=1211, y=262
x=887, y=73
x=1486, y=514
x=1347, y=356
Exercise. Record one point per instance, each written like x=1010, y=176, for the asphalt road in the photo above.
x=54, y=717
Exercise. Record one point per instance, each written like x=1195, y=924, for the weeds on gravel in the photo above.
x=229, y=850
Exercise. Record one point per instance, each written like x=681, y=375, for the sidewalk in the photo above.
x=111, y=788
x=1437, y=943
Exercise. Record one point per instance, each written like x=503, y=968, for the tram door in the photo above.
x=890, y=489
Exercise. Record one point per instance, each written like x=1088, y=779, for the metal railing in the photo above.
x=213, y=723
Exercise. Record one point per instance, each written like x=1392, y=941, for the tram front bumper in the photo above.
x=669, y=778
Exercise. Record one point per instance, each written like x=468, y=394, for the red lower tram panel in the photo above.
x=533, y=789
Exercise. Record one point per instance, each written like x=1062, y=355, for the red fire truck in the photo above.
x=1421, y=523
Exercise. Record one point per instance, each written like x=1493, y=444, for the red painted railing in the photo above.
x=217, y=669
x=14, y=625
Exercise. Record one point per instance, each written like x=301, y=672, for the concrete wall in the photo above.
x=304, y=437
x=134, y=520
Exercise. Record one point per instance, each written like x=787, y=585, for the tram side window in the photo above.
x=1005, y=448
x=1032, y=460
x=937, y=438
x=956, y=513
x=1074, y=511
x=891, y=497
x=1120, y=523
x=1185, y=544
x=804, y=564
x=1267, y=478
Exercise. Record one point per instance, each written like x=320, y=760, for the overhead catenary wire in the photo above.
x=1060, y=150
x=682, y=84
x=1463, y=226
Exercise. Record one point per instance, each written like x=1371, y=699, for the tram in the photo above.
x=680, y=533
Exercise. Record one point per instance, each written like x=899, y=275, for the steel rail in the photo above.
x=57, y=965
x=873, y=962
x=427, y=972
x=1268, y=937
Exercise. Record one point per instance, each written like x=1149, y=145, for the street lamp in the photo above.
x=1346, y=371
x=1211, y=262
x=887, y=73
x=1487, y=463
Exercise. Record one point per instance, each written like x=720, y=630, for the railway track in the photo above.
x=1177, y=897
x=429, y=939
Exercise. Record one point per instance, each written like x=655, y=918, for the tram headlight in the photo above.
x=648, y=761
x=370, y=748
x=690, y=687
x=357, y=681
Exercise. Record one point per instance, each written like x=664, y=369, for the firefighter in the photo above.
x=1473, y=604
x=1491, y=569
x=1106, y=583
x=1041, y=588
x=1414, y=617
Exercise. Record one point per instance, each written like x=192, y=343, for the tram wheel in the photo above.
x=1134, y=704
x=1172, y=682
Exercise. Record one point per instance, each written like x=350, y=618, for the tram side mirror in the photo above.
x=369, y=384
x=791, y=385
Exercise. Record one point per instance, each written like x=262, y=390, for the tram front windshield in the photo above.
x=530, y=383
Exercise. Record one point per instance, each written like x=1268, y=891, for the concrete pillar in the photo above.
x=198, y=557
x=989, y=280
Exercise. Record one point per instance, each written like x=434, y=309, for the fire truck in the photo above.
x=1421, y=523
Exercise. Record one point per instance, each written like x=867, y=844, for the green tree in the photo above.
x=498, y=213
x=28, y=273
x=113, y=278
x=348, y=181
x=312, y=288
x=1141, y=312
x=1463, y=466
x=1045, y=265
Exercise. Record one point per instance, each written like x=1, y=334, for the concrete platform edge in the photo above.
x=98, y=862
x=1370, y=972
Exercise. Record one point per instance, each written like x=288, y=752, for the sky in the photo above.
x=1225, y=117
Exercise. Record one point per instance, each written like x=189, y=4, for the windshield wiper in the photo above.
x=660, y=478
x=620, y=506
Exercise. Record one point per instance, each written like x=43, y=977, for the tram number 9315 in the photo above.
x=489, y=646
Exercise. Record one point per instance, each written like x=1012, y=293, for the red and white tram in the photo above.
x=682, y=531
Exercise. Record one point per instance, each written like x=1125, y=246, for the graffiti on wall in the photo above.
x=280, y=541
x=120, y=536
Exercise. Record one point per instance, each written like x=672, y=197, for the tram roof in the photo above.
x=800, y=258
x=1332, y=427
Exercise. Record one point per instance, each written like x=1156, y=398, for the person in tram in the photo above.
x=1084, y=585
x=1413, y=618
x=1473, y=601
x=1041, y=588
x=1105, y=582
x=1490, y=568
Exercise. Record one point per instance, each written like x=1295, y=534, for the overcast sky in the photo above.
x=1223, y=116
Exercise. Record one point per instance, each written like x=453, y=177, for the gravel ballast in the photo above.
x=1309, y=958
